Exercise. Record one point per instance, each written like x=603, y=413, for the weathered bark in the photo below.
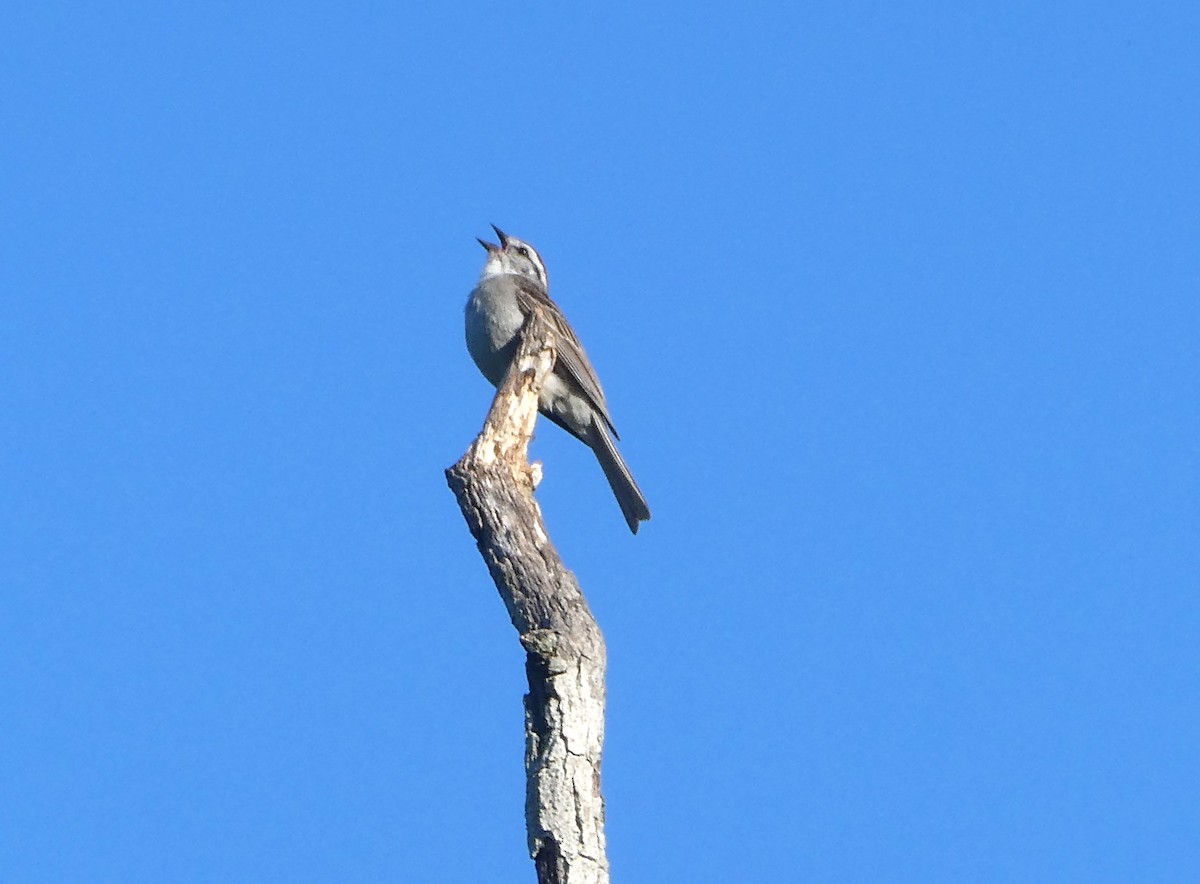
x=565, y=654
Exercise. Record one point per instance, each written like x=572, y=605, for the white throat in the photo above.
x=493, y=267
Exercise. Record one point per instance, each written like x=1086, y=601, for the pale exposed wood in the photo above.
x=565, y=654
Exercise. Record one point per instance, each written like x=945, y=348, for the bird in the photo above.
x=513, y=285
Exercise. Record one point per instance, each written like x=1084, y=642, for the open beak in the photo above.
x=490, y=246
x=502, y=235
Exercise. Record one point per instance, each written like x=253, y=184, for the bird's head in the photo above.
x=514, y=257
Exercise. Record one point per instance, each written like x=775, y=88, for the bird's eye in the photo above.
x=523, y=252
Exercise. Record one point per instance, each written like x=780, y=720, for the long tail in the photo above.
x=625, y=489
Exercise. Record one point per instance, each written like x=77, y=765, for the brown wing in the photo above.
x=571, y=358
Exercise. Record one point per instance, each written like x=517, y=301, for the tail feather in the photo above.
x=625, y=489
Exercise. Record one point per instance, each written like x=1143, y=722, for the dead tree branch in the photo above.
x=565, y=654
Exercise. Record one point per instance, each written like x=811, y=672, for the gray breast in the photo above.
x=493, y=319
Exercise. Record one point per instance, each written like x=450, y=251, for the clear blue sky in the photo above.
x=896, y=307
